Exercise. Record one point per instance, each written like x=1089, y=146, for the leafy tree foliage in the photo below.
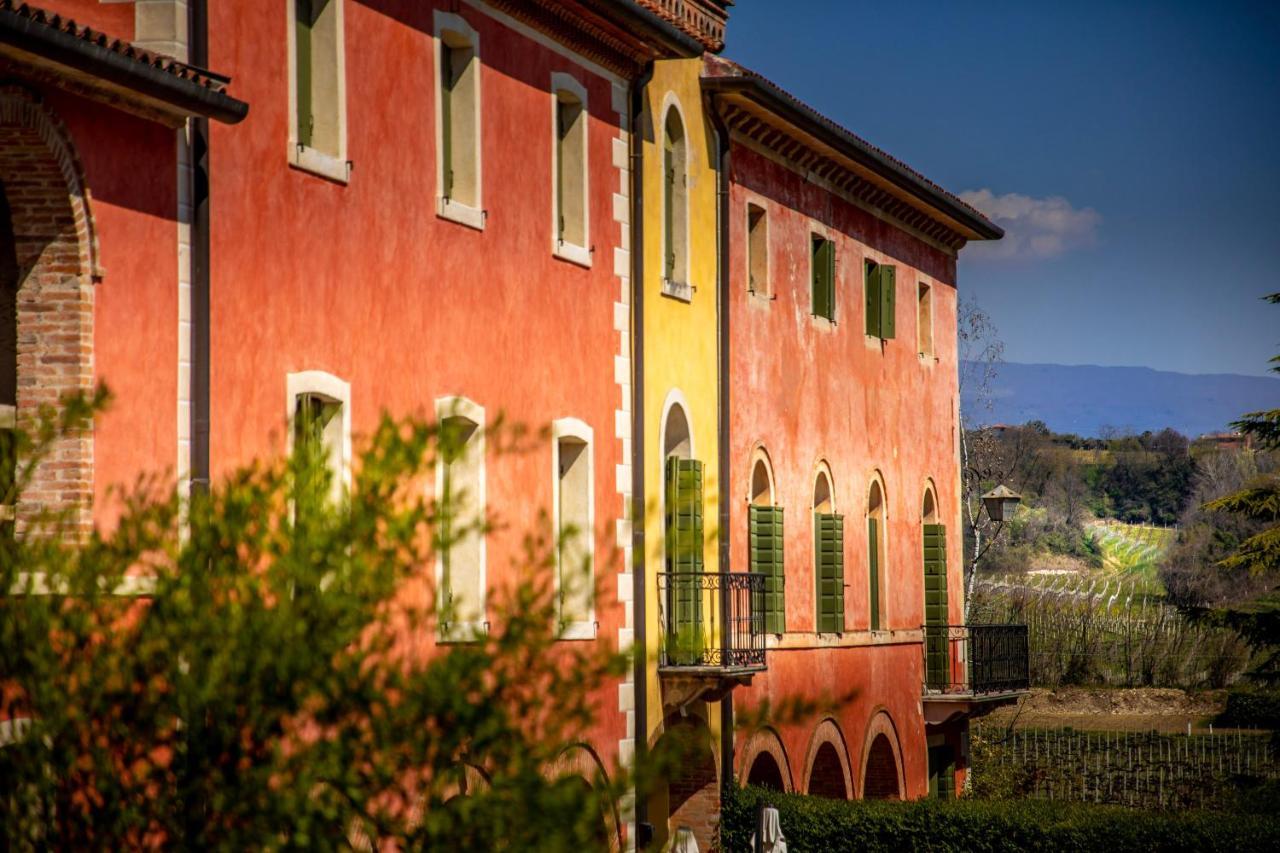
x=254, y=669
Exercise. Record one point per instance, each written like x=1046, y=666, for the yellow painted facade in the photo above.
x=680, y=348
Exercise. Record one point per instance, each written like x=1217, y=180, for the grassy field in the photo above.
x=1133, y=552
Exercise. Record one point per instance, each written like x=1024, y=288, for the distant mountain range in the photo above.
x=1084, y=399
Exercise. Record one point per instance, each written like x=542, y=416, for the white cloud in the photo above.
x=1033, y=227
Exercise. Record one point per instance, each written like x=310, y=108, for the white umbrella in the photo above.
x=770, y=836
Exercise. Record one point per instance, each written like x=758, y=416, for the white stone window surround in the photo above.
x=822, y=232
x=334, y=166
x=573, y=428
x=449, y=25
x=330, y=387
x=680, y=287
x=464, y=631
x=578, y=254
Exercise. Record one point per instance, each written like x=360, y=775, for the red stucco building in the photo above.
x=433, y=208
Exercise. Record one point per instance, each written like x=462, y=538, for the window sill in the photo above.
x=578, y=631
x=319, y=163
x=763, y=299
x=462, y=632
x=847, y=639
x=456, y=211
x=579, y=255
x=824, y=323
x=678, y=290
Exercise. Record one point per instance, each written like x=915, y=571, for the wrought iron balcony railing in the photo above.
x=711, y=620
x=975, y=660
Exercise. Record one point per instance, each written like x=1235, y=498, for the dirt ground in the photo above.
x=1114, y=709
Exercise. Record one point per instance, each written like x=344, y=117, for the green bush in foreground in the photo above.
x=1251, y=708
x=816, y=824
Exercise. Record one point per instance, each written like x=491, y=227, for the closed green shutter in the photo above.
x=937, y=657
x=942, y=772
x=669, y=210
x=829, y=556
x=447, y=83
x=871, y=287
x=888, y=301
x=684, y=559
x=302, y=69
x=873, y=566
x=766, y=539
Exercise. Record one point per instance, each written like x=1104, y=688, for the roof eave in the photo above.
x=58, y=48
x=672, y=42
x=814, y=124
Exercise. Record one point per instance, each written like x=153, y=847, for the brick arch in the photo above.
x=765, y=745
x=56, y=251
x=830, y=777
x=688, y=762
x=580, y=761
x=882, y=777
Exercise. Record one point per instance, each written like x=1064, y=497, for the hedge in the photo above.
x=1251, y=708
x=813, y=824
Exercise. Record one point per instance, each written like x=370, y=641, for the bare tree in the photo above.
x=981, y=352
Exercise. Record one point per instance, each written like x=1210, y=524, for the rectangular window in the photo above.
x=766, y=541
x=569, y=167
x=823, y=277
x=829, y=558
x=757, y=251
x=880, y=283
x=575, y=579
x=924, y=319
x=459, y=135
x=461, y=493
x=319, y=90
x=683, y=544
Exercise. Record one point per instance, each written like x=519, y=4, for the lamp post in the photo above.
x=1000, y=501
x=1000, y=504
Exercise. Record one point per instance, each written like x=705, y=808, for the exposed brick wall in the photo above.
x=693, y=790
x=53, y=238
x=826, y=779
x=882, y=772
x=765, y=773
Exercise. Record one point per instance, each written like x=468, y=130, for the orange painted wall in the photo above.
x=130, y=170
x=366, y=282
x=114, y=19
x=807, y=391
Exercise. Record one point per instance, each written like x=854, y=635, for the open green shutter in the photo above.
x=684, y=558
x=766, y=540
x=446, y=117
x=871, y=288
x=888, y=301
x=937, y=657
x=829, y=546
x=873, y=566
x=830, y=264
x=302, y=69
x=817, y=278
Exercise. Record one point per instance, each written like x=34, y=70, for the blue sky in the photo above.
x=1132, y=150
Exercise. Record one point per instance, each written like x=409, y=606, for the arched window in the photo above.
x=460, y=489
x=875, y=553
x=934, y=553
x=683, y=539
x=828, y=554
x=569, y=103
x=765, y=543
x=675, y=206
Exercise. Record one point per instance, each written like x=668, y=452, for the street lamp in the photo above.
x=1001, y=502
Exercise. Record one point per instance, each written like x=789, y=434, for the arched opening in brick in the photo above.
x=826, y=779
x=881, y=781
x=46, y=296
x=686, y=758
x=8, y=364
x=765, y=773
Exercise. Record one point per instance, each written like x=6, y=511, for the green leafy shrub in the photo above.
x=1251, y=708
x=816, y=824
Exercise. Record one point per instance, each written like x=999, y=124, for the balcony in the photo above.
x=971, y=669
x=712, y=634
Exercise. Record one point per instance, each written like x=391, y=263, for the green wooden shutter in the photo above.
x=562, y=136
x=822, y=266
x=829, y=530
x=766, y=540
x=871, y=287
x=669, y=210
x=302, y=69
x=942, y=772
x=447, y=83
x=684, y=559
x=888, y=301
x=937, y=657
x=831, y=279
x=873, y=565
